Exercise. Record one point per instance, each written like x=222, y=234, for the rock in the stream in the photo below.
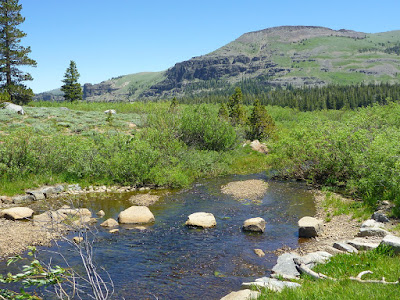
x=254, y=224
x=309, y=227
x=101, y=213
x=136, y=215
x=17, y=213
x=49, y=218
x=78, y=239
x=242, y=295
x=114, y=231
x=285, y=265
x=201, y=219
x=372, y=231
x=259, y=252
x=345, y=247
x=109, y=223
x=271, y=284
x=392, y=241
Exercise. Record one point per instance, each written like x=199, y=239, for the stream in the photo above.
x=171, y=261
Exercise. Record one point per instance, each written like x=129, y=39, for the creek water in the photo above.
x=170, y=261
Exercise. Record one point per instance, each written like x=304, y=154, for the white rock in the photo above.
x=242, y=295
x=271, y=284
x=392, y=241
x=136, y=215
x=101, y=213
x=259, y=252
x=372, y=231
x=13, y=107
x=309, y=227
x=254, y=224
x=362, y=244
x=110, y=111
x=259, y=147
x=372, y=223
x=17, y=213
x=201, y=219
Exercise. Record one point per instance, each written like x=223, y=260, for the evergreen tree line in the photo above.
x=307, y=98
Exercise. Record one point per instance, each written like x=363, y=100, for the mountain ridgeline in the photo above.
x=265, y=60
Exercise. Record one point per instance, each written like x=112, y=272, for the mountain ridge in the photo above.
x=283, y=55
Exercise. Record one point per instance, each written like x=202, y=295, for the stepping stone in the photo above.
x=345, y=247
x=254, y=224
x=202, y=220
x=372, y=231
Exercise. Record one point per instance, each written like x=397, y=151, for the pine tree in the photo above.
x=223, y=112
x=262, y=126
x=71, y=88
x=236, y=109
x=174, y=105
x=12, y=54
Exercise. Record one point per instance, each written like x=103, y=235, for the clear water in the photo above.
x=171, y=261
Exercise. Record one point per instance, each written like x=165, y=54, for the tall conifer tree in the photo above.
x=12, y=54
x=71, y=88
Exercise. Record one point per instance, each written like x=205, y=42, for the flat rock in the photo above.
x=372, y=231
x=201, y=219
x=242, y=295
x=392, y=241
x=309, y=227
x=362, y=244
x=345, y=247
x=285, y=265
x=109, y=223
x=254, y=224
x=17, y=213
x=81, y=212
x=23, y=199
x=370, y=223
x=271, y=284
x=136, y=215
x=48, y=218
x=318, y=257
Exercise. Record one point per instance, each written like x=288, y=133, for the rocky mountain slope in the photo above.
x=287, y=55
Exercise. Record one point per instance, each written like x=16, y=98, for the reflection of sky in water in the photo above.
x=171, y=261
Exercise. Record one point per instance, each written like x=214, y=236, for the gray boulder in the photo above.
x=362, y=244
x=309, y=227
x=254, y=224
x=285, y=265
x=17, y=213
x=370, y=223
x=345, y=247
x=372, y=231
x=242, y=295
x=136, y=215
x=311, y=259
x=271, y=284
x=37, y=195
x=392, y=241
x=201, y=219
x=14, y=108
x=20, y=199
x=380, y=217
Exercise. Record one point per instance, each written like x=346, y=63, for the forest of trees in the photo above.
x=304, y=99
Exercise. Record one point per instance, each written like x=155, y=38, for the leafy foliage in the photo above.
x=262, y=126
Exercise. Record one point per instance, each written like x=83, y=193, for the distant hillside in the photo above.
x=287, y=55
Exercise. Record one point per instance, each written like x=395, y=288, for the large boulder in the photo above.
x=17, y=213
x=392, y=241
x=254, y=224
x=242, y=295
x=309, y=227
x=14, y=108
x=259, y=147
x=136, y=215
x=201, y=219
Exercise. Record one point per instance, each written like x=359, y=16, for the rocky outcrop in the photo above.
x=90, y=90
x=136, y=215
x=202, y=220
x=254, y=224
x=309, y=227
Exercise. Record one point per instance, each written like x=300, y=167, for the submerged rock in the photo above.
x=201, y=219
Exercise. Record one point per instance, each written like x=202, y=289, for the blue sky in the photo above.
x=118, y=37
